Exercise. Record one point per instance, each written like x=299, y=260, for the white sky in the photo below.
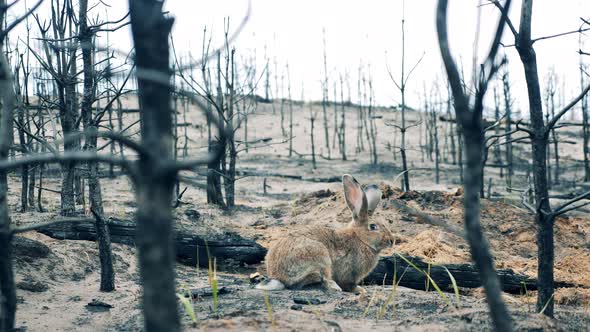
x=363, y=31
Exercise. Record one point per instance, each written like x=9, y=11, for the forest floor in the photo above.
x=57, y=279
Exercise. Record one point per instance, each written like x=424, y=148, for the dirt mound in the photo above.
x=435, y=247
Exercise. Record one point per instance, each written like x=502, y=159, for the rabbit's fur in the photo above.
x=337, y=258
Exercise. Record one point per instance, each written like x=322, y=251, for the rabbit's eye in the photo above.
x=373, y=227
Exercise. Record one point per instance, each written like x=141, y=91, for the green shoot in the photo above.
x=455, y=288
x=428, y=279
x=269, y=310
x=187, y=303
x=212, y=278
x=546, y=304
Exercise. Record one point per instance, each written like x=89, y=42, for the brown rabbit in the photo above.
x=337, y=258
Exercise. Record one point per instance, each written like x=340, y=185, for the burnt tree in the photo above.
x=539, y=132
x=155, y=179
x=469, y=112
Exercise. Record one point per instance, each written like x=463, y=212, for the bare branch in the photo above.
x=454, y=78
x=413, y=68
x=561, y=209
x=508, y=21
x=391, y=75
x=572, y=103
x=12, y=25
x=580, y=30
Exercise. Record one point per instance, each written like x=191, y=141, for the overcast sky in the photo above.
x=368, y=32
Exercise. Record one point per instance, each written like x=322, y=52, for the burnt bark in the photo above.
x=508, y=129
x=190, y=248
x=469, y=112
x=585, y=126
x=466, y=275
x=545, y=255
x=7, y=106
x=107, y=276
x=154, y=182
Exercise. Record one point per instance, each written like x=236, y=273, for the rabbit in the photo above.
x=338, y=259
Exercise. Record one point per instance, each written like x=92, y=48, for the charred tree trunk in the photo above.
x=359, y=118
x=312, y=123
x=336, y=135
x=325, y=101
x=497, y=152
x=282, y=108
x=403, y=127
x=469, y=114
x=22, y=141
x=508, y=129
x=555, y=139
x=214, y=193
x=436, y=147
x=342, y=130
x=290, y=112
x=460, y=151
x=524, y=46
x=150, y=31
x=107, y=276
x=452, y=132
x=230, y=174
x=585, y=124
x=7, y=106
x=586, y=134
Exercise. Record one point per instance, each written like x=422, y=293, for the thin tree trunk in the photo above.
x=282, y=108
x=336, y=135
x=508, y=129
x=107, y=276
x=451, y=131
x=342, y=130
x=8, y=104
x=585, y=121
x=497, y=152
x=229, y=179
x=524, y=46
x=290, y=112
x=555, y=144
x=312, y=122
x=436, y=148
x=585, y=133
x=150, y=31
x=325, y=101
x=469, y=116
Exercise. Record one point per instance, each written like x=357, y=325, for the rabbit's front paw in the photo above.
x=332, y=285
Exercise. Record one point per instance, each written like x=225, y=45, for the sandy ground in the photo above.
x=55, y=287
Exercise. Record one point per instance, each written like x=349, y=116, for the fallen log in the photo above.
x=191, y=249
x=465, y=275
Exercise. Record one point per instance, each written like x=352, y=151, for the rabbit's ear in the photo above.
x=373, y=194
x=355, y=198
